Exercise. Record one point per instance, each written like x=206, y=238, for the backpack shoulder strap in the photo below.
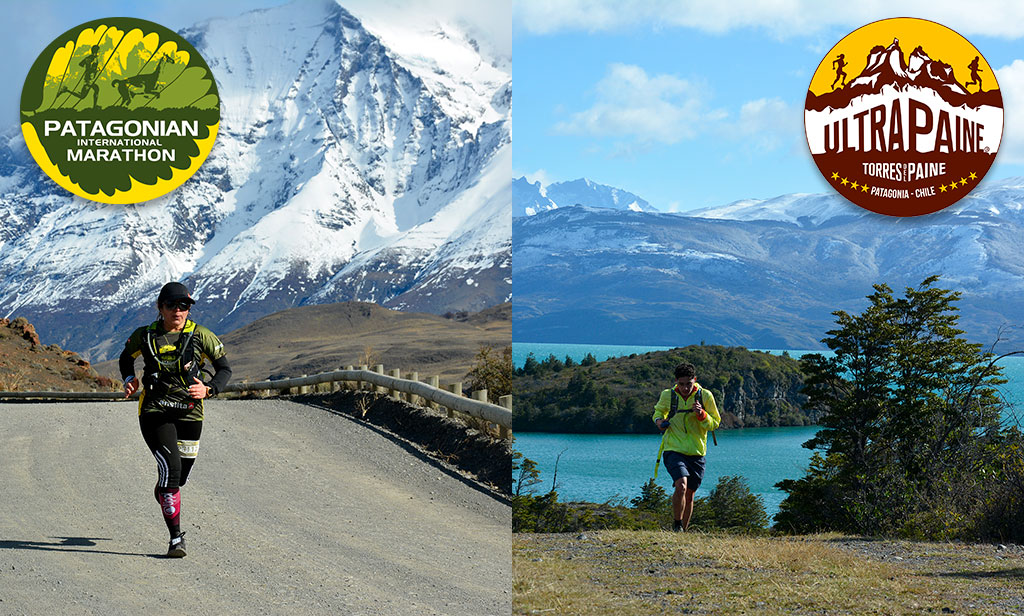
x=674, y=408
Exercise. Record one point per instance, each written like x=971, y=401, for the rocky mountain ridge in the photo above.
x=342, y=170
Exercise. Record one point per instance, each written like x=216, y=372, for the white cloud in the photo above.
x=488, y=22
x=767, y=124
x=1011, y=86
x=647, y=108
x=540, y=175
x=784, y=18
x=643, y=110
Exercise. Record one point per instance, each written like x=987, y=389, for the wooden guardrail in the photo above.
x=493, y=413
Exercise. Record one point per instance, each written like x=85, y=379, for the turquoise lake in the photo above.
x=600, y=468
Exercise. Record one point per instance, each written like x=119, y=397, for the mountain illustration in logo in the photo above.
x=886, y=67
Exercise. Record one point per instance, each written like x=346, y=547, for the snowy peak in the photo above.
x=934, y=74
x=531, y=199
x=885, y=66
x=448, y=62
x=768, y=274
x=803, y=210
x=991, y=200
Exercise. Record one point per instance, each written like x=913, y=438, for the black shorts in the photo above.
x=681, y=465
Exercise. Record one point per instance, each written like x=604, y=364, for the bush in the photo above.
x=730, y=505
x=652, y=497
x=910, y=441
x=493, y=371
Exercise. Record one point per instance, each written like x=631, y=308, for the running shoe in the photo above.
x=176, y=548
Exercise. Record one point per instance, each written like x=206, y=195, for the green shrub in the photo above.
x=730, y=505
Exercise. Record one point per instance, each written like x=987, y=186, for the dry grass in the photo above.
x=627, y=572
x=368, y=357
x=13, y=381
x=363, y=404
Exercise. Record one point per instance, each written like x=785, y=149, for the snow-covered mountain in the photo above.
x=886, y=67
x=762, y=274
x=530, y=198
x=349, y=165
x=801, y=209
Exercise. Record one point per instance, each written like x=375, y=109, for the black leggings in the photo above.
x=174, y=443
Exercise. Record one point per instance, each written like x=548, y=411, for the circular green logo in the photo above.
x=120, y=110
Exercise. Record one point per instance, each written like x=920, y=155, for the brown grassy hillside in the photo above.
x=314, y=339
x=27, y=365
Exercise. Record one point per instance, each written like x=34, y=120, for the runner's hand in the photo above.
x=663, y=424
x=700, y=414
x=131, y=387
x=199, y=390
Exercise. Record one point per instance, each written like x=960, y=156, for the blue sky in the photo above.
x=695, y=104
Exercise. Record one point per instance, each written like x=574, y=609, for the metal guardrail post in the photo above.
x=435, y=382
x=506, y=431
x=456, y=388
x=379, y=369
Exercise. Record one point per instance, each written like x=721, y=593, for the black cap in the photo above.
x=173, y=292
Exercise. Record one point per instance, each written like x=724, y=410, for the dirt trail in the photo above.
x=290, y=509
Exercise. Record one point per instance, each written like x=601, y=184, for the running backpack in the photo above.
x=699, y=400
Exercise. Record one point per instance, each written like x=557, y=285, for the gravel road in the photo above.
x=289, y=510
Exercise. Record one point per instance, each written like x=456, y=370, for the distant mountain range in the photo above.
x=350, y=164
x=531, y=198
x=760, y=273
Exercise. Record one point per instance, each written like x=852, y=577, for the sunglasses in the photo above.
x=182, y=305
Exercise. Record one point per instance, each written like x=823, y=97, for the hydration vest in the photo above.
x=166, y=366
